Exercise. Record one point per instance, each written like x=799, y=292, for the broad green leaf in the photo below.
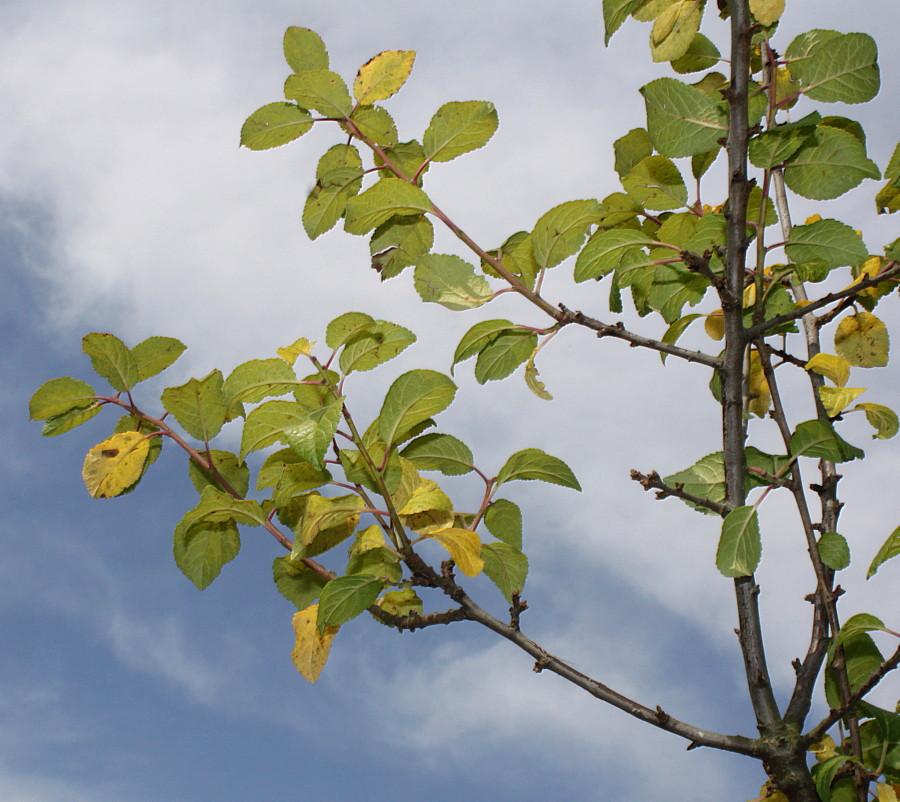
x=381, y=202
x=298, y=584
x=532, y=463
x=439, y=452
x=676, y=329
x=375, y=123
x=311, y=646
x=845, y=124
x=503, y=354
x=835, y=368
x=503, y=519
x=198, y=405
x=478, y=337
x=862, y=339
x=773, y=147
x=458, y=128
x=853, y=626
x=358, y=471
x=604, y=251
x=828, y=165
x=740, y=546
x=842, y=68
x=451, y=282
x=201, y=548
x=615, y=12
x=464, y=547
x=322, y=90
x=412, y=398
x=325, y=522
x=155, y=354
x=345, y=327
x=674, y=286
x=339, y=177
x=407, y=157
x=378, y=562
x=862, y=657
x=677, y=229
x=882, y=418
x=265, y=425
x=533, y=382
x=517, y=256
x=559, y=233
x=258, y=379
x=286, y=469
x=345, y=598
x=398, y=243
x=827, y=242
x=823, y=775
x=375, y=345
x=674, y=30
x=818, y=439
x=311, y=437
x=383, y=75
x=710, y=232
x=275, y=124
x=304, y=50
x=631, y=149
x=115, y=464
x=889, y=549
x=112, y=360
x=836, y=399
x=235, y=472
x=656, y=183
x=767, y=12
x=618, y=209
x=701, y=55
x=59, y=396
x=506, y=567
x=66, y=421
x=701, y=162
x=217, y=506
x=682, y=120
x=834, y=550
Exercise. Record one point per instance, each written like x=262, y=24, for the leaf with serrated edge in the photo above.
x=115, y=464
x=533, y=382
x=298, y=584
x=155, y=354
x=265, y=425
x=861, y=622
x=818, y=439
x=674, y=30
x=458, y=128
x=383, y=75
x=830, y=242
x=201, y=548
x=862, y=339
x=842, y=68
x=834, y=550
x=740, y=546
x=344, y=327
x=464, y=547
x=882, y=418
x=412, y=398
x=836, y=399
x=322, y=90
x=479, y=336
x=304, y=50
x=889, y=549
x=505, y=567
x=198, y=405
x=382, y=201
x=59, y=396
x=682, y=120
x=311, y=437
x=835, y=368
x=560, y=232
x=112, y=360
x=257, y=379
x=767, y=12
x=345, y=598
x=439, y=452
x=311, y=647
x=451, y=282
x=275, y=124
x=828, y=165
x=503, y=354
x=503, y=519
x=374, y=346
x=532, y=463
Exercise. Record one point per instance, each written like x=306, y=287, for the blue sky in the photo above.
x=126, y=206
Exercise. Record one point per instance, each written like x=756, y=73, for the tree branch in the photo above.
x=651, y=481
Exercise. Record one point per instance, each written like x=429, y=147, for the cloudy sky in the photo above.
x=127, y=206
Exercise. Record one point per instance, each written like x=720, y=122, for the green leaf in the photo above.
x=862, y=339
x=656, y=184
x=605, y=250
x=701, y=162
x=677, y=229
x=834, y=550
x=458, y=128
x=818, y=439
x=682, y=120
x=775, y=146
x=674, y=286
x=298, y=584
x=398, y=243
x=198, y=405
x=345, y=327
x=407, y=157
x=828, y=165
x=862, y=657
x=559, y=233
x=381, y=202
x=506, y=567
x=827, y=242
x=708, y=233
x=619, y=209
x=311, y=437
x=112, y=360
x=322, y=90
x=840, y=68
x=257, y=379
x=676, y=329
x=740, y=546
x=615, y=12
x=823, y=775
x=439, y=452
x=701, y=55
x=478, y=337
x=275, y=124
x=59, y=396
x=412, y=398
x=533, y=382
x=532, y=463
x=202, y=548
x=235, y=472
x=66, y=421
x=451, y=282
x=325, y=522
x=290, y=475
x=374, y=346
x=503, y=519
x=217, y=506
x=383, y=75
x=378, y=562
x=346, y=597
x=339, y=177
x=265, y=425
x=503, y=354
x=155, y=354
x=889, y=549
x=304, y=50
x=853, y=626
x=631, y=149
x=882, y=418
x=376, y=123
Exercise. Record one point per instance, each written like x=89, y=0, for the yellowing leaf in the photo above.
x=862, y=339
x=883, y=418
x=831, y=367
x=464, y=547
x=311, y=648
x=715, y=325
x=301, y=347
x=815, y=218
x=824, y=749
x=767, y=11
x=674, y=30
x=760, y=395
x=115, y=464
x=534, y=383
x=886, y=793
x=427, y=496
x=383, y=75
x=837, y=399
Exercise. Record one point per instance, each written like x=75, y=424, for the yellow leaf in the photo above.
x=311, y=649
x=300, y=347
x=862, y=339
x=383, y=75
x=886, y=793
x=837, y=399
x=831, y=367
x=883, y=418
x=115, y=464
x=675, y=29
x=767, y=11
x=749, y=295
x=815, y=218
x=824, y=749
x=464, y=547
x=427, y=496
x=784, y=86
x=760, y=396
x=715, y=325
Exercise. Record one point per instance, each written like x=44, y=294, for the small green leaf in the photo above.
x=604, y=252
x=66, y=421
x=201, y=549
x=451, y=282
x=439, y=452
x=674, y=332
x=257, y=379
x=374, y=346
x=235, y=472
x=853, y=626
x=398, y=243
x=631, y=149
x=823, y=775
x=112, y=360
x=275, y=124
x=682, y=120
x=503, y=354
x=346, y=597
x=834, y=550
x=889, y=549
x=818, y=439
x=266, y=424
x=615, y=12
x=828, y=165
x=882, y=418
x=311, y=437
x=198, y=405
x=298, y=584
x=339, y=177
x=740, y=546
x=503, y=519
x=459, y=128
x=560, y=233
x=345, y=327
x=376, y=123
x=155, y=354
x=478, y=337
x=656, y=183
x=59, y=396
x=506, y=567
x=217, y=506
x=701, y=55
x=532, y=463
x=322, y=90
x=382, y=201
x=412, y=398
x=407, y=157
x=304, y=50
